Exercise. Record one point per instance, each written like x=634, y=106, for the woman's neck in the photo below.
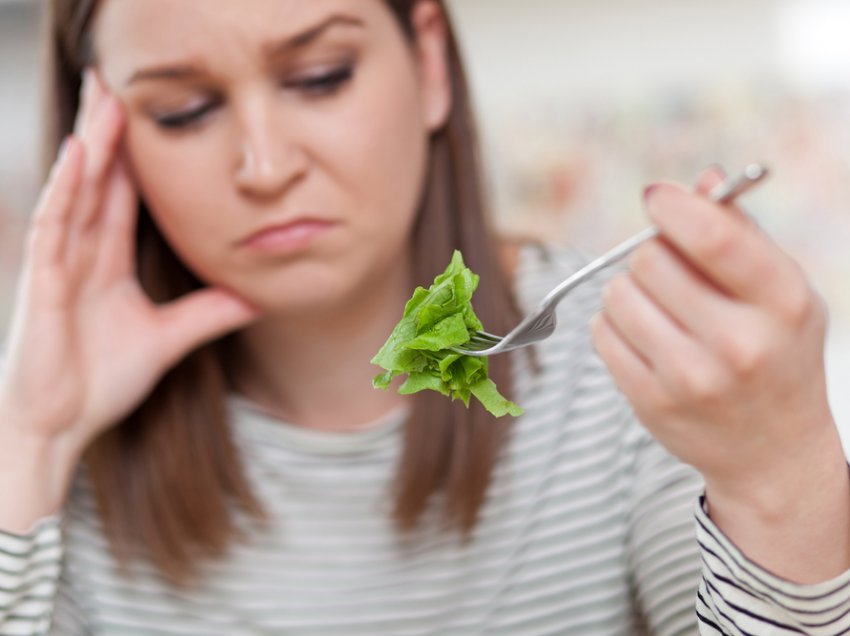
x=314, y=371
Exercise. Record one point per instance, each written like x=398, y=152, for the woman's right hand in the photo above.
x=86, y=344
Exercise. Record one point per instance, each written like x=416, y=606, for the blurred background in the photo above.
x=583, y=102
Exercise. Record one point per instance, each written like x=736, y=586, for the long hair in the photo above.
x=168, y=478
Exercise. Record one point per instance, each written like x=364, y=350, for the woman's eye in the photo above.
x=185, y=118
x=324, y=84
x=318, y=85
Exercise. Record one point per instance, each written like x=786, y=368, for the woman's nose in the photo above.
x=269, y=159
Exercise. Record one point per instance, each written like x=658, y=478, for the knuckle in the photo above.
x=746, y=351
x=660, y=401
x=615, y=290
x=94, y=178
x=92, y=170
x=699, y=383
x=41, y=224
x=798, y=304
x=645, y=260
x=747, y=358
x=715, y=243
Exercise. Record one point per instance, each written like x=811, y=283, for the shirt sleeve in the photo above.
x=30, y=594
x=661, y=544
x=737, y=596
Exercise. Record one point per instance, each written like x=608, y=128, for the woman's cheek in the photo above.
x=180, y=201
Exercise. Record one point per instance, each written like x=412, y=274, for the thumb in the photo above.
x=203, y=316
x=709, y=179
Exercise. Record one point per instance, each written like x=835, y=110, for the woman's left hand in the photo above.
x=717, y=338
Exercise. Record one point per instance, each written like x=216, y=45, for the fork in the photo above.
x=540, y=324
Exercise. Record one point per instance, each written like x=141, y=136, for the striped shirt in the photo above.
x=589, y=528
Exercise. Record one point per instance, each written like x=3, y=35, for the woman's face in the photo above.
x=309, y=116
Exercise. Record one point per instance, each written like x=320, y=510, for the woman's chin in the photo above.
x=318, y=289
x=296, y=301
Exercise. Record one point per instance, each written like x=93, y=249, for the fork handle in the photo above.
x=724, y=193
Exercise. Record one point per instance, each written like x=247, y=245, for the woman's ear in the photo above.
x=431, y=50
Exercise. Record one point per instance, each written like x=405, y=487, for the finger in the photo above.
x=49, y=232
x=683, y=366
x=200, y=317
x=630, y=371
x=643, y=325
x=95, y=105
x=91, y=94
x=101, y=143
x=700, y=308
x=116, y=236
x=711, y=178
x=729, y=251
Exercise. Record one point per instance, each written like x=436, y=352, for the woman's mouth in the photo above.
x=286, y=238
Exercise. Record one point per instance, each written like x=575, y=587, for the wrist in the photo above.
x=35, y=473
x=792, y=518
x=776, y=477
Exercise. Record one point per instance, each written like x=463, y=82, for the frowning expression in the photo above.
x=280, y=145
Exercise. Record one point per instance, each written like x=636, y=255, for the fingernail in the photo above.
x=85, y=90
x=98, y=82
x=88, y=77
x=63, y=148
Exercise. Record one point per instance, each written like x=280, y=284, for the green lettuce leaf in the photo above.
x=435, y=320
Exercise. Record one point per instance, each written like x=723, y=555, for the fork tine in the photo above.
x=483, y=336
x=484, y=351
x=473, y=346
x=480, y=343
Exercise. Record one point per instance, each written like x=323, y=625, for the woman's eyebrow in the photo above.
x=271, y=49
x=287, y=45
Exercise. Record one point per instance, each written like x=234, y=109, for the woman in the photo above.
x=190, y=441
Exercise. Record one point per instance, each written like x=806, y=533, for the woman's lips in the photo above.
x=287, y=238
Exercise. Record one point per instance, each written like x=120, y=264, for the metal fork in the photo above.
x=540, y=324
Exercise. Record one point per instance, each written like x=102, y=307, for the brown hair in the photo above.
x=167, y=477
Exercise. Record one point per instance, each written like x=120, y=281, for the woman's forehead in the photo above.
x=166, y=27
